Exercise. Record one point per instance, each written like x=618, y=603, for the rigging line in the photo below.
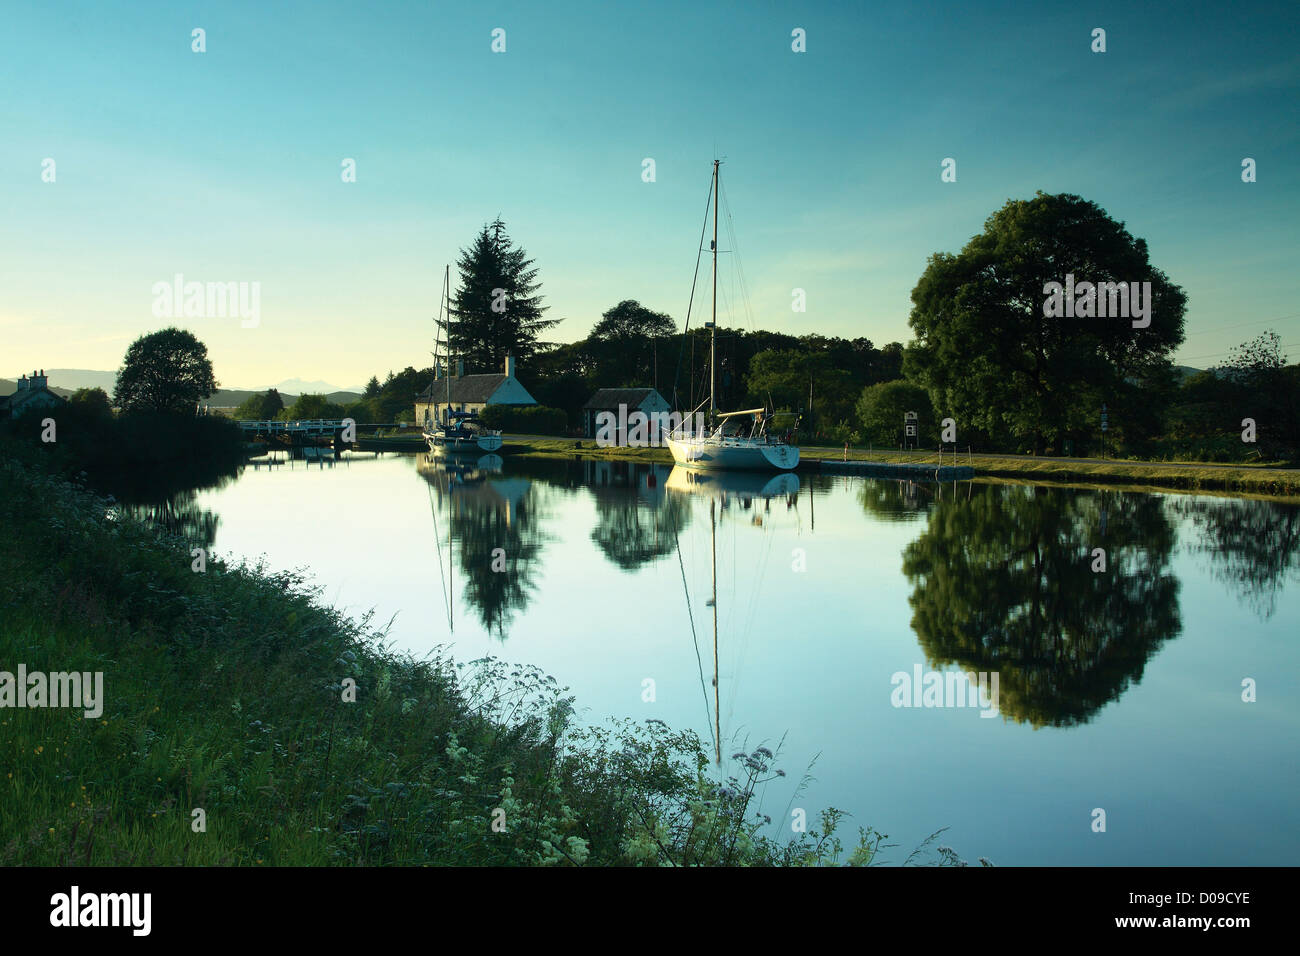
x=444, y=590
x=686, y=330
x=694, y=638
x=739, y=273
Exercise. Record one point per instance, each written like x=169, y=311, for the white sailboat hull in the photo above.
x=477, y=445
x=733, y=454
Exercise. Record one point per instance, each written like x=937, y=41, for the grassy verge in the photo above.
x=539, y=447
x=228, y=691
x=1257, y=479
x=1266, y=480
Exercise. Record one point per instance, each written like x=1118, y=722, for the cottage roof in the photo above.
x=468, y=389
x=614, y=397
x=14, y=399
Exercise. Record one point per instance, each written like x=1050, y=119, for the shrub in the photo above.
x=881, y=407
x=527, y=419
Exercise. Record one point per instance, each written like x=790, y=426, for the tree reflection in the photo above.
x=1004, y=582
x=1253, y=546
x=496, y=540
x=636, y=521
x=180, y=515
x=896, y=500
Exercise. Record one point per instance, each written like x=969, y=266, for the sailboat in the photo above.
x=459, y=432
x=740, y=441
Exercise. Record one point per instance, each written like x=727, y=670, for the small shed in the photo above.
x=610, y=400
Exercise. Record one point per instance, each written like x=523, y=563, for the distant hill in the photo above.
x=298, y=387
x=75, y=378
x=233, y=397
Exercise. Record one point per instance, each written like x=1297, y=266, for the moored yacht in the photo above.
x=459, y=432
x=739, y=441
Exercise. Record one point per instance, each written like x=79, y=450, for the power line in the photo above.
x=1242, y=325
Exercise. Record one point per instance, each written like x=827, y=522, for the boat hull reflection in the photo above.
x=719, y=484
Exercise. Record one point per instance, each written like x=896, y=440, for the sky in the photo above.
x=227, y=165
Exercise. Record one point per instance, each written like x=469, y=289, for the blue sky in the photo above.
x=225, y=166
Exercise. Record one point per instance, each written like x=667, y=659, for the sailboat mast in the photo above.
x=713, y=338
x=446, y=297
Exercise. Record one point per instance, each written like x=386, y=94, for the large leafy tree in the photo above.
x=261, y=406
x=496, y=310
x=995, y=362
x=165, y=371
x=625, y=342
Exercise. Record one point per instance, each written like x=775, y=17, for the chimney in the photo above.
x=38, y=381
x=510, y=365
x=460, y=368
x=22, y=383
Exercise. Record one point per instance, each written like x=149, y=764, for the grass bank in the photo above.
x=230, y=733
x=1266, y=480
x=1255, y=479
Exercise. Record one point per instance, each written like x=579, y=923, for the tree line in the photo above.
x=988, y=351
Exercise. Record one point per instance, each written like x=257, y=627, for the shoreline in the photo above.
x=1271, y=481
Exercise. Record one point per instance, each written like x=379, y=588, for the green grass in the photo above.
x=225, y=691
x=1269, y=479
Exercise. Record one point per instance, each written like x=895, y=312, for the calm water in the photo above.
x=1118, y=690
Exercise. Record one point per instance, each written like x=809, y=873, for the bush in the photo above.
x=526, y=419
x=139, y=454
x=93, y=400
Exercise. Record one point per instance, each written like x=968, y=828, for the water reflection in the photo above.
x=1253, y=546
x=168, y=499
x=636, y=520
x=897, y=500
x=752, y=493
x=179, y=515
x=492, y=533
x=1004, y=581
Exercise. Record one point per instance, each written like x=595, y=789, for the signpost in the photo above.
x=909, y=428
